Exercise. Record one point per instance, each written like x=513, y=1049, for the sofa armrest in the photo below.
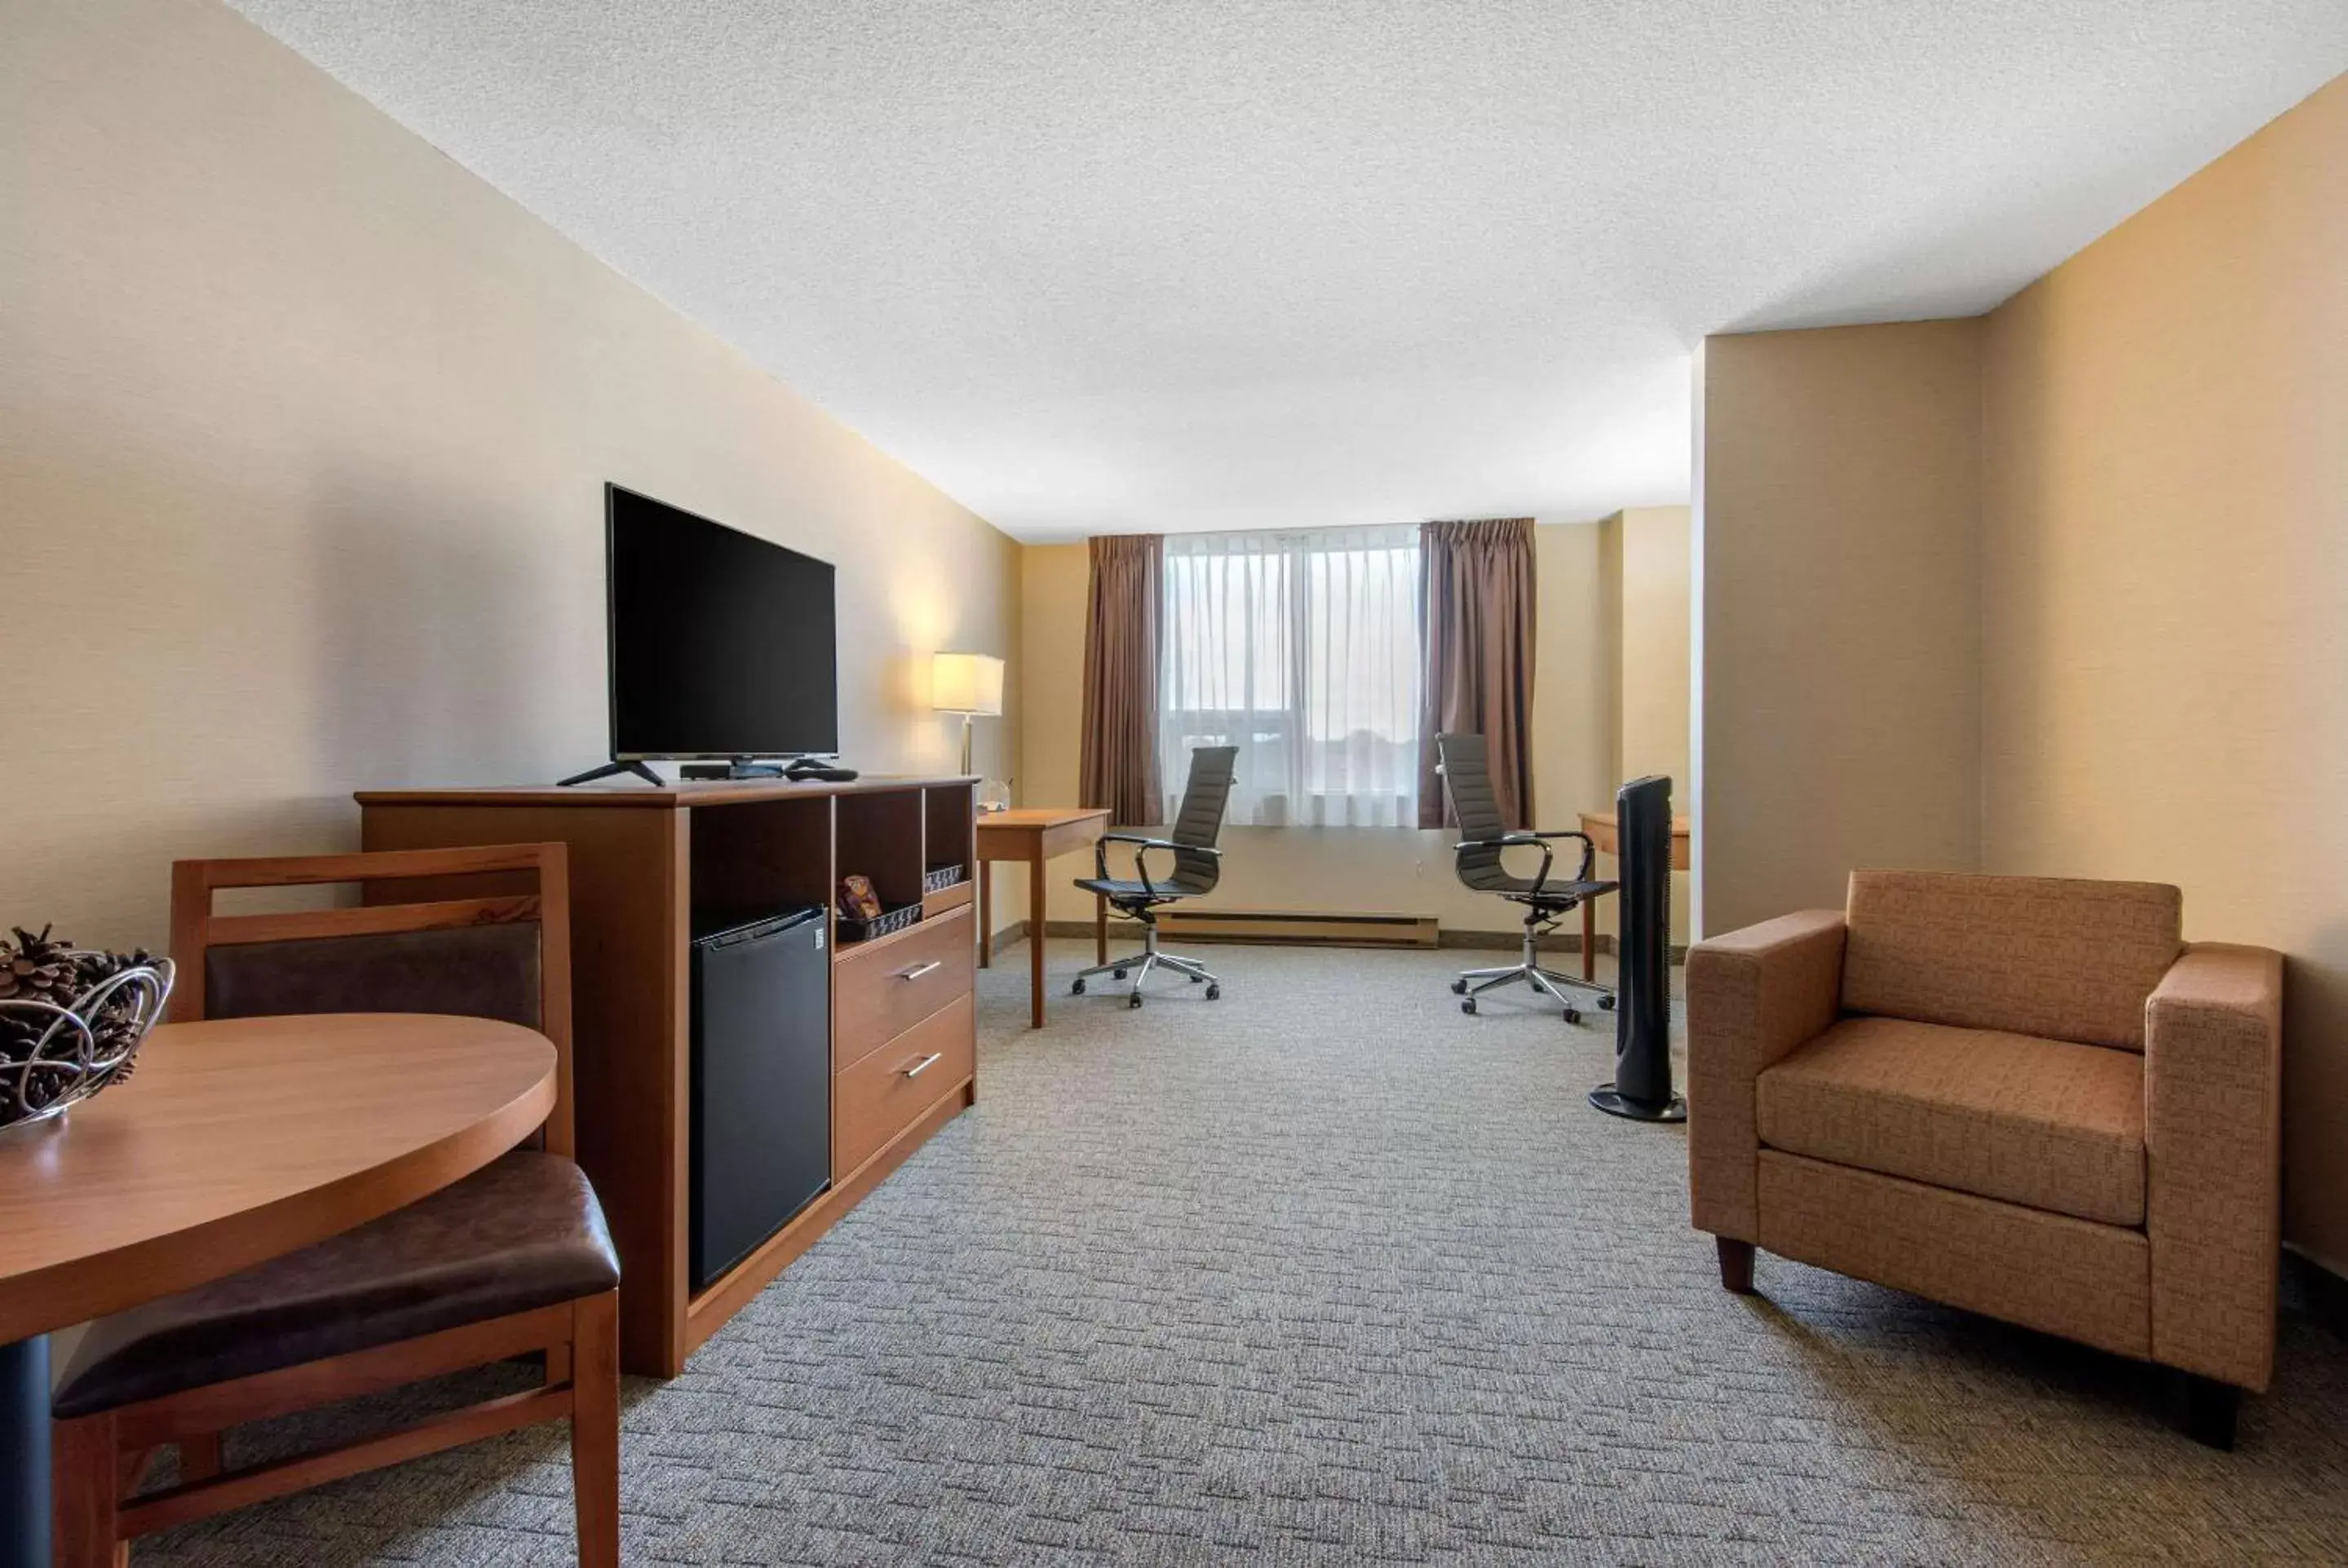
x=2213, y=1147
x=1752, y=996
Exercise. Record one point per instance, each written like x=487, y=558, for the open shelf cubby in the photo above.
x=763, y=856
x=878, y=835
x=950, y=813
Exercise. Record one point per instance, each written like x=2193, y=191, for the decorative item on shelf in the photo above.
x=995, y=794
x=70, y=1022
x=970, y=684
x=858, y=899
x=938, y=879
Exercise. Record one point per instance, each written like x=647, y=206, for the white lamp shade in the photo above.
x=966, y=684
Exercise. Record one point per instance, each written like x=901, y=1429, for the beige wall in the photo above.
x=1396, y=870
x=2165, y=585
x=1838, y=515
x=303, y=431
x=1646, y=564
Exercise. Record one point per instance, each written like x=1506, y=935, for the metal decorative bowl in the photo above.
x=52, y=1056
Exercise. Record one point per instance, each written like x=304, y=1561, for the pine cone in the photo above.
x=38, y=969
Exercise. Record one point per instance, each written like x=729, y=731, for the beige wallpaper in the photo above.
x=2166, y=586
x=1839, y=603
x=303, y=431
x=1386, y=870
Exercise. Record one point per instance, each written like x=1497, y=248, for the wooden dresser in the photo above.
x=903, y=1016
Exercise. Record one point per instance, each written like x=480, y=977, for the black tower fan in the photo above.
x=1641, y=1089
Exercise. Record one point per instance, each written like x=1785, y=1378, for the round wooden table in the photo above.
x=232, y=1143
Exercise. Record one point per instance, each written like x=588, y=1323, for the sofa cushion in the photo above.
x=2036, y=955
x=2048, y=1123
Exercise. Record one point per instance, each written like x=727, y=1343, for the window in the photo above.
x=1302, y=650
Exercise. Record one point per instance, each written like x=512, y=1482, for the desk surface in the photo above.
x=1026, y=816
x=1681, y=825
x=238, y=1140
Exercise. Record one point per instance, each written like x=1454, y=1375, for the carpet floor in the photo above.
x=1326, y=1273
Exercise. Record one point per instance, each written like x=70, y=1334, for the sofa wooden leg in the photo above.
x=1735, y=1265
x=2210, y=1408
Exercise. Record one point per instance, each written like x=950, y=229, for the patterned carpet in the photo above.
x=1325, y=1273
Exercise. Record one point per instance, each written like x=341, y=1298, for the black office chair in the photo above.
x=1196, y=865
x=1483, y=834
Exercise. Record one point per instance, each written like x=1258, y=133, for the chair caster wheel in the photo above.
x=1214, y=993
x=1460, y=988
x=1468, y=1006
x=1134, y=1001
x=1120, y=974
x=1076, y=988
x=1572, y=1015
x=1606, y=1002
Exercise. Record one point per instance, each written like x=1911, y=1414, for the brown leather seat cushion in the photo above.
x=2043, y=1122
x=526, y=1232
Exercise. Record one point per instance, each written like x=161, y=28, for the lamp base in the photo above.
x=1614, y=1102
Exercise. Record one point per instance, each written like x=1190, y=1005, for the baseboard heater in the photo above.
x=1295, y=928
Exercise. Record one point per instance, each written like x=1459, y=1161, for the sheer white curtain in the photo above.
x=1302, y=650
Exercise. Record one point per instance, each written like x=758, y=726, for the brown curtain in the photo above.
x=1476, y=641
x=1120, y=748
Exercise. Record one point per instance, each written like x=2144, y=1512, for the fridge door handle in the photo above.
x=918, y=970
x=925, y=1064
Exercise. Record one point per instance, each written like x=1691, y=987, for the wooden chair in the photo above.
x=512, y=1260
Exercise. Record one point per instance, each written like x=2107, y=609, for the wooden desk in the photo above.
x=236, y=1142
x=1601, y=828
x=1036, y=833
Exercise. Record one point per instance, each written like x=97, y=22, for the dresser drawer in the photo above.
x=881, y=1095
x=878, y=995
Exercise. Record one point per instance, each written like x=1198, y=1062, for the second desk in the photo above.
x=1036, y=833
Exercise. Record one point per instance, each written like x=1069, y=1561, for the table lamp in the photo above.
x=970, y=684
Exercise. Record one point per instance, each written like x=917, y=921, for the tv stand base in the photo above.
x=641, y=769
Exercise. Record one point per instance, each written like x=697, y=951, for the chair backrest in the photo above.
x=1204, y=797
x=2050, y=956
x=1468, y=777
x=500, y=954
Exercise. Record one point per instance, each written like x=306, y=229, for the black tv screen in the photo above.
x=723, y=644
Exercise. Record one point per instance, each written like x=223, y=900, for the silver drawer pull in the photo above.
x=925, y=1064
x=918, y=970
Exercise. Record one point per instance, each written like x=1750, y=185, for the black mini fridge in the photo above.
x=761, y=1079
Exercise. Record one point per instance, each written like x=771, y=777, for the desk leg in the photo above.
x=1100, y=929
x=24, y=1453
x=1038, y=927
x=1588, y=938
x=986, y=914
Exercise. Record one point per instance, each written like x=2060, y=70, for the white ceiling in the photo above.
x=1172, y=265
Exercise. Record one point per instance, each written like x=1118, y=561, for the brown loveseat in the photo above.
x=2023, y=1096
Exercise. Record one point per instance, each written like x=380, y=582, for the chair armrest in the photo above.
x=1148, y=843
x=1752, y=996
x=2213, y=1147
x=1523, y=836
x=1519, y=836
x=1142, y=844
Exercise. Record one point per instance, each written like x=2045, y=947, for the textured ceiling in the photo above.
x=1097, y=267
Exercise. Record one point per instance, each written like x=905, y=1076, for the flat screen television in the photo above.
x=723, y=644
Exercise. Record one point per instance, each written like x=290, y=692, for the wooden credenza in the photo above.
x=903, y=1014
